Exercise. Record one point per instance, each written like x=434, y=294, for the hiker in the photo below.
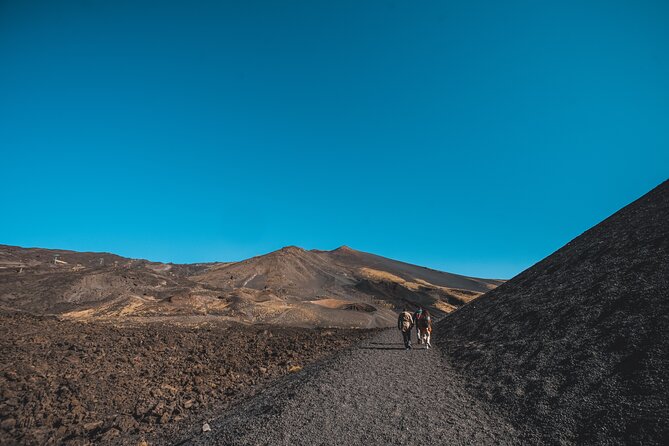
x=424, y=328
x=417, y=315
x=405, y=324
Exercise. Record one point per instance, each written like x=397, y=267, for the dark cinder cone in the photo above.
x=576, y=348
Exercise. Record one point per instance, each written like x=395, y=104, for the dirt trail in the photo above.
x=374, y=394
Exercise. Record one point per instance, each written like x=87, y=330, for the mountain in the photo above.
x=49, y=281
x=576, y=348
x=291, y=286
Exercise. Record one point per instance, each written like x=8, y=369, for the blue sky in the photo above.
x=472, y=137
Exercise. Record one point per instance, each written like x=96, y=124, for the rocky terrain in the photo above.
x=100, y=349
x=576, y=348
x=374, y=394
x=288, y=287
x=107, y=350
x=572, y=351
x=74, y=383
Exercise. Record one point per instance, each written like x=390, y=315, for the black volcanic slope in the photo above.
x=576, y=348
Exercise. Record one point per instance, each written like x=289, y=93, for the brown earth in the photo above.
x=97, y=348
x=72, y=383
x=278, y=288
x=576, y=348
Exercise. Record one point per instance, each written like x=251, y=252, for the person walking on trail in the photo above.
x=405, y=324
x=424, y=328
x=416, y=316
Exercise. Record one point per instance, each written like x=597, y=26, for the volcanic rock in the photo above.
x=576, y=348
x=342, y=288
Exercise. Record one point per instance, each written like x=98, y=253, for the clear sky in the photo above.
x=472, y=137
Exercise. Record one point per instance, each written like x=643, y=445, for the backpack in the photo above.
x=423, y=320
x=406, y=321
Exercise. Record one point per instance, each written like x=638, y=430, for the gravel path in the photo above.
x=374, y=394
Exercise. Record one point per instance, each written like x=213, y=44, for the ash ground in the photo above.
x=374, y=394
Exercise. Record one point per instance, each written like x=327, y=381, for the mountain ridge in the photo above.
x=288, y=286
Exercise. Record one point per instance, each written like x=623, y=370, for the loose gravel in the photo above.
x=374, y=394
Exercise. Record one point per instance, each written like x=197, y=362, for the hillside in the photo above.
x=330, y=278
x=352, y=258
x=47, y=281
x=576, y=348
x=291, y=287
